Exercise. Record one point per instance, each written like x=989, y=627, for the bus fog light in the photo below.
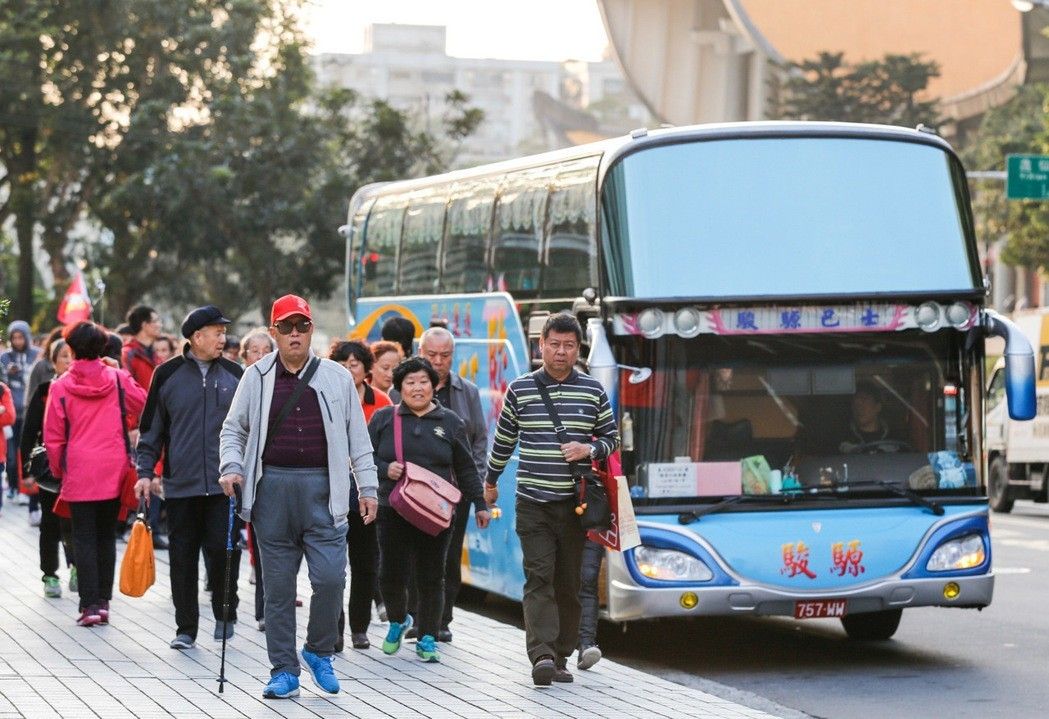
x=962, y=553
x=687, y=321
x=928, y=316
x=951, y=590
x=651, y=323
x=670, y=565
x=959, y=315
x=689, y=600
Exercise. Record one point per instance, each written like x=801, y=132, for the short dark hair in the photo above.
x=170, y=342
x=232, y=343
x=400, y=330
x=410, y=365
x=138, y=316
x=86, y=339
x=114, y=347
x=563, y=322
x=342, y=350
x=125, y=329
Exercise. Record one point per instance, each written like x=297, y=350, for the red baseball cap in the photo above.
x=287, y=306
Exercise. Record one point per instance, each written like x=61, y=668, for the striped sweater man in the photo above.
x=543, y=475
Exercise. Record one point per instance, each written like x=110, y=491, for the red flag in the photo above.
x=76, y=305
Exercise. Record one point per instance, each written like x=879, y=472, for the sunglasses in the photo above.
x=286, y=326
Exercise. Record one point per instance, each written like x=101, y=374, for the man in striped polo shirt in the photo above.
x=547, y=525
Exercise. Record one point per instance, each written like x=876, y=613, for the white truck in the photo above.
x=1018, y=452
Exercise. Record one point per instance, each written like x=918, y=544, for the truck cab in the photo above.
x=1018, y=452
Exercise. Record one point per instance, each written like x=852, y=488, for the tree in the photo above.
x=245, y=206
x=1016, y=127
x=89, y=92
x=885, y=91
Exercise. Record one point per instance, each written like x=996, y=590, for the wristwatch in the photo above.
x=593, y=451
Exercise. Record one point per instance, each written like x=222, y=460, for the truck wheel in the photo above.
x=872, y=626
x=998, y=487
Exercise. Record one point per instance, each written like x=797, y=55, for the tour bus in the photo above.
x=788, y=319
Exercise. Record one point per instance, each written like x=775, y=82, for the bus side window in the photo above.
x=466, y=237
x=380, y=246
x=356, y=265
x=520, y=218
x=570, y=253
x=423, y=229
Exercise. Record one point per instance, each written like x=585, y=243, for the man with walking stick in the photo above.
x=295, y=429
x=188, y=400
x=225, y=584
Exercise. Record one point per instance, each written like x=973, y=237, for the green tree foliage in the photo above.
x=190, y=132
x=1016, y=127
x=885, y=91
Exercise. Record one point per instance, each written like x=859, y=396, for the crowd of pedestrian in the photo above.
x=313, y=452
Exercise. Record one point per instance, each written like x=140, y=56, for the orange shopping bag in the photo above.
x=138, y=568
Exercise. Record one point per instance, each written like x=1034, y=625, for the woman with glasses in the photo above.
x=362, y=542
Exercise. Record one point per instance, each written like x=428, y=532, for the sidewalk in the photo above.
x=49, y=666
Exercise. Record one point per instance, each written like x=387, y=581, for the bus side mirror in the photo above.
x=1019, y=365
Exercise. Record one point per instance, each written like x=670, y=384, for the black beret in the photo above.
x=202, y=317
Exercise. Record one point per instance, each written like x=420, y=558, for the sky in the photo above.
x=510, y=29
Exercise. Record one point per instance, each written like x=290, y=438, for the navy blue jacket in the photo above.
x=181, y=422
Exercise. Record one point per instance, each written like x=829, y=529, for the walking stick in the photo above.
x=225, y=591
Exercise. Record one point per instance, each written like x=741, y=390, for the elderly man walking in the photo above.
x=550, y=532
x=295, y=428
x=187, y=403
x=460, y=395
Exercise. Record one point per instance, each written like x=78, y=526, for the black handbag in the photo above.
x=37, y=466
x=592, y=500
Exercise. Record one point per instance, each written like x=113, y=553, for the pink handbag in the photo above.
x=424, y=499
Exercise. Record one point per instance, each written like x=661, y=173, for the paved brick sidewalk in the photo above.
x=49, y=666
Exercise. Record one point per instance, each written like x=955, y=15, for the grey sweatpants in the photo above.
x=291, y=519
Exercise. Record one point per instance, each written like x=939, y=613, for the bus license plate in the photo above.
x=819, y=608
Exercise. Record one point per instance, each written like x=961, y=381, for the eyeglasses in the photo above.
x=286, y=326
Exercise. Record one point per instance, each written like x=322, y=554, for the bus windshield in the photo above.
x=784, y=217
x=836, y=414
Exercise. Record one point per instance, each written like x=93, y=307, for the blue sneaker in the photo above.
x=282, y=686
x=323, y=674
x=426, y=649
x=392, y=643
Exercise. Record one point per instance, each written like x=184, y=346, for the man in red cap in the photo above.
x=311, y=431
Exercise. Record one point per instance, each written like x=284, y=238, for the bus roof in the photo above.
x=616, y=147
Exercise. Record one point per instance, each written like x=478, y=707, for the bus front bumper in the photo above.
x=627, y=601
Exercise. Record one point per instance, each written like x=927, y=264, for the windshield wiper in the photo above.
x=695, y=514
x=933, y=506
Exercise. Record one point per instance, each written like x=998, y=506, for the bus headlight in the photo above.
x=687, y=322
x=670, y=565
x=962, y=553
x=959, y=315
x=928, y=316
x=650, y=322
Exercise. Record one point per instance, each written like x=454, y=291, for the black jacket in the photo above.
x=181, y=421
x=436, y=441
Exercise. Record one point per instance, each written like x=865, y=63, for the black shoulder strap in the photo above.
x=562, y=435
x=300, y=387
x=123, y=422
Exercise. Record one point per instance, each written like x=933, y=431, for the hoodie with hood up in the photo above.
x=91, y=461
x=16, y=364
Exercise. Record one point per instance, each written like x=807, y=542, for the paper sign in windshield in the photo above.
x=694, y=479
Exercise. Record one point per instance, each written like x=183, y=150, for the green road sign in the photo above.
x=1027, y=177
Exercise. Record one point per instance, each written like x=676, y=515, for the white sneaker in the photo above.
x=588, y=657
x=21, y=499
x=34, y=518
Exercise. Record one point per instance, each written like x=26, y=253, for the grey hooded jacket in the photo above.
x=243, y=433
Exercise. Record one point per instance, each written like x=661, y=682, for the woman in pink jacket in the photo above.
x=84, y=435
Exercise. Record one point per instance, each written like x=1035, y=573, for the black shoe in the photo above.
x=543, y=671
x=561, y=673
x=360, y=641
x=444, y=635
x=339, y=645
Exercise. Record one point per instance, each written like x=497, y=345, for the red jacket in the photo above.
x=92, y=462
x=140, y=362
x=7, y=417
